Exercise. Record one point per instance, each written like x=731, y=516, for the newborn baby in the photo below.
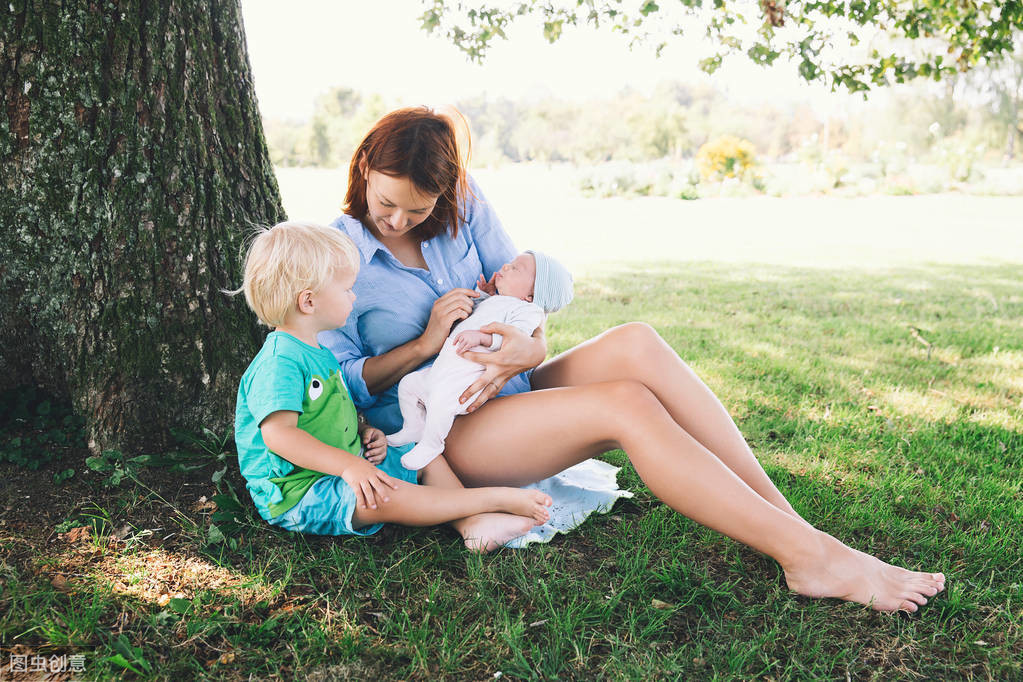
x=527, y=288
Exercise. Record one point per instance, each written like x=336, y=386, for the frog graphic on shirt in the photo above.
x=328, y=413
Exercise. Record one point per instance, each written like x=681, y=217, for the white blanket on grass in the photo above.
x=587, y=487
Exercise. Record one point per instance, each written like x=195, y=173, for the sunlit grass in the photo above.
x=887, y=405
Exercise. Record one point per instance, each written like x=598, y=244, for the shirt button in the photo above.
x=426, y=245
x=440, y=281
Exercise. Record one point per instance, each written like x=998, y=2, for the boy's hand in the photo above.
x=368, y=483
x=471, y=338
x=374, y=445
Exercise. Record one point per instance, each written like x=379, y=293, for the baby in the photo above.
x=523, y=292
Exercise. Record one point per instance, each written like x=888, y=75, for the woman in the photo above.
x=427, y=235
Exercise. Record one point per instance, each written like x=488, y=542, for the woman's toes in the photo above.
x=917, y=599
x=923, y=587
x=908, y=606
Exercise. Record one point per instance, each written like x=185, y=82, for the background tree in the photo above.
x=933, y=38
x=1000, y=83
x=133, y=162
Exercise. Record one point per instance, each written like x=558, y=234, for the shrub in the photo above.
x=37, y=427
x=726, y=157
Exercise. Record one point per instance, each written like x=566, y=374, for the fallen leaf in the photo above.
x=226, y=658
x=981, y=642
x=79, y=534
x=61, y=583
x=538, y=623
x=204, y=505
x=658, y=604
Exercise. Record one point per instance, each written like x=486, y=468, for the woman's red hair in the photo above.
x=421, y=145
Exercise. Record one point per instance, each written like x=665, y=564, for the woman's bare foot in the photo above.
x=487, y=532
x=526, y=502
x=844, y=573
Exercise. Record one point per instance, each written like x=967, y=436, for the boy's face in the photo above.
x=333, y=304
x=517, y=277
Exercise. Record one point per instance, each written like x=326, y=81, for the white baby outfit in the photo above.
x=428, y=397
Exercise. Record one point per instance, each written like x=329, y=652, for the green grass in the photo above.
x=888, y=407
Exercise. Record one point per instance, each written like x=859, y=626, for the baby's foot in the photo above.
x=487, y=532
x=527, y=502
x=842, y=572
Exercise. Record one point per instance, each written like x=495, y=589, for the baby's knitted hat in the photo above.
x=552, y=290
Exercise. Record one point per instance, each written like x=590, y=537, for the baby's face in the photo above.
x=516, y=278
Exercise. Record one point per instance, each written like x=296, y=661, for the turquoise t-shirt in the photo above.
x=288, y=374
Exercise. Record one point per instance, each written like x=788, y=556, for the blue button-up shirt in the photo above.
x=393, y=301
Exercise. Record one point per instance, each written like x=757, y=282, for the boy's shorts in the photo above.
x=328, y=506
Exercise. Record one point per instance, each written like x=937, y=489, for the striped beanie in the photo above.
x=553, y=288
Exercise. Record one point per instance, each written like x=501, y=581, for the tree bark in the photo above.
x=132, y=163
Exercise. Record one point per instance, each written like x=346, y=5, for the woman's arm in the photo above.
x=518, y=353
x=383, y=371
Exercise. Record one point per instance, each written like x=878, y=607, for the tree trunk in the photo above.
x=132, y=164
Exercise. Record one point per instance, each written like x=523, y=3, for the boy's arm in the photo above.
x=281, y=434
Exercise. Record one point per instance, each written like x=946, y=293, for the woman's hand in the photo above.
x=448, y=310
x=518, y=353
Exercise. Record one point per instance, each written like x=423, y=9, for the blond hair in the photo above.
x=288, y=258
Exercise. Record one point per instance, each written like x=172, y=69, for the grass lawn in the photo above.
x=887, y=405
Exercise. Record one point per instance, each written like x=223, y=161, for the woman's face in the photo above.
x=395, y=205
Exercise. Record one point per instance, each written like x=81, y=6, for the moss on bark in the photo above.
x=133, y=163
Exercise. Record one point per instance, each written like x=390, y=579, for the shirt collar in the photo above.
x=363, y=238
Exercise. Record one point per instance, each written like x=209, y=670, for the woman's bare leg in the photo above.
x=568, y=425
x=636, y=352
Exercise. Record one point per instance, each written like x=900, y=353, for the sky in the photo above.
x=301, y=48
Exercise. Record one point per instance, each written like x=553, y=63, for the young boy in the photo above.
x=309, y=464
x=521, y=294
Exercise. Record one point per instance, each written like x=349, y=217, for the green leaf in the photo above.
x=552, y=30
x=97, y=463
x=217, y=475
x=62, y=476
x=180, y=605
x=226, y=503
x=214, y=536
x=120, y=660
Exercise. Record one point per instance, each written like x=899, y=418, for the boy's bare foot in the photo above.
x=524, y=502
x=842, y=572
x=487, y=532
